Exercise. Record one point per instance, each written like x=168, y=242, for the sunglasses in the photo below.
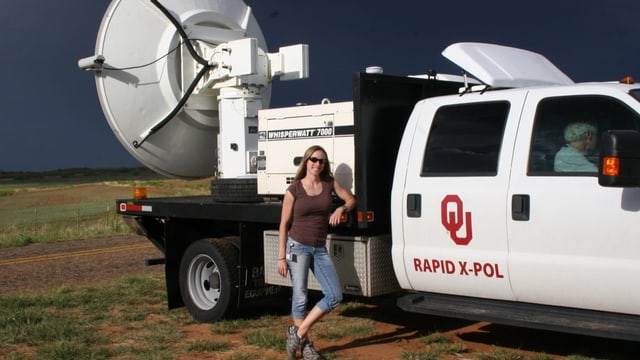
x=315, y=160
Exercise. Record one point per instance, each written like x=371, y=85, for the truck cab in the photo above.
x=480, y=211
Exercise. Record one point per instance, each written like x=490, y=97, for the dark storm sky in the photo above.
x=52, y=119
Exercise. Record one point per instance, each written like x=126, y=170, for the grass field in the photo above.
x=127, y=318
x=75, y=204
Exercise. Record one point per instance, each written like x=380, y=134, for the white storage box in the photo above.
x=363, y=264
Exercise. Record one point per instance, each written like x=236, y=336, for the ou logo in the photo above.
x=453, y=218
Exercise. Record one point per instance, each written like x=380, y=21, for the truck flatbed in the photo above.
x=201, y=207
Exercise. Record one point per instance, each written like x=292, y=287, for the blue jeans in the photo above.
x=316, y=259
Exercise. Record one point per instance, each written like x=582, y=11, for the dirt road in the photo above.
x=44, y=266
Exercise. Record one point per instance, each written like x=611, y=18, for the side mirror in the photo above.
x=620, y=159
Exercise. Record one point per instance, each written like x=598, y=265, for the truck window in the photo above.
x=465, y=140
x=559, y=125
x=635, y=93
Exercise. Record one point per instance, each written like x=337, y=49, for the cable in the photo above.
x=183, y=100
x=183, y=34
x=144, y=65
x=205, y=67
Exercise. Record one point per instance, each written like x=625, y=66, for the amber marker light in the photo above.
x=611, y=166
x=368, y=216
x=140, y=193
x=360, y=216
x=627, y=80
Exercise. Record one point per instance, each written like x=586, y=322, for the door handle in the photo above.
x=520, y=208
x=414, y=205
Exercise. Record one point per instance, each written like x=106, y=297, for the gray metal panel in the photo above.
x=363, y=264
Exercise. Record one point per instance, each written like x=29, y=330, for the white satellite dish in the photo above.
x=144, y=68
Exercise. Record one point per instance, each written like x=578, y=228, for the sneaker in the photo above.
x=293, y=341
x=308, y=351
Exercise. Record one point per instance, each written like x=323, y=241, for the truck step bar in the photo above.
x=154, y=262
x=543, y=317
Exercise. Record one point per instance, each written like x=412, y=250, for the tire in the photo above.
x=235, y=190
x=209, y=279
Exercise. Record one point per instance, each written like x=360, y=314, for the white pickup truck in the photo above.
x=510, y=194
x=487, y=214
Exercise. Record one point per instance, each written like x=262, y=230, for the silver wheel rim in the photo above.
x=204, y=282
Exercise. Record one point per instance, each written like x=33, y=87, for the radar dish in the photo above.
x=148, y=69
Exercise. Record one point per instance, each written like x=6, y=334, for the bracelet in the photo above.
x=280, y=259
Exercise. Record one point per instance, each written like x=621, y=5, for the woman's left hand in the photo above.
x=349, y=203
x=334, y=219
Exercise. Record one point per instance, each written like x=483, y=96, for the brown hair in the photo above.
x=325, y=174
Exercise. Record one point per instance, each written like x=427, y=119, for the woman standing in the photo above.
x=306, y=211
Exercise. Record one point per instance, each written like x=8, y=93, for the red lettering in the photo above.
x=477, y=267
x=417, y=266
x=426, y=266
x=463, y=268
x=489, y=270
x=436, y=265
x=450, y=267
x=498, y=275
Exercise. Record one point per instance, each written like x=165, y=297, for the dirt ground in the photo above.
x=43, y=266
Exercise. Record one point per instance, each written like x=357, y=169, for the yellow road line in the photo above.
x=73, y=254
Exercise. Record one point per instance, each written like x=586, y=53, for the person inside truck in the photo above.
x=580, y=138
x=306, y=214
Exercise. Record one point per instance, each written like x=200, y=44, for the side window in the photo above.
x=465, y=140
x=567, y=130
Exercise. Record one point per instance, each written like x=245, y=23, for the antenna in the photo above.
x=181, y=82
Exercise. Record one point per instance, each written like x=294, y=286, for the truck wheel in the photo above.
x=235, y=190
x=209, y=279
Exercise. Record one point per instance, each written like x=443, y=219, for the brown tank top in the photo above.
x=310, y=214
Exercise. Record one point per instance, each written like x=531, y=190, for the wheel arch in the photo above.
x=179, y=235
x=208, y=278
